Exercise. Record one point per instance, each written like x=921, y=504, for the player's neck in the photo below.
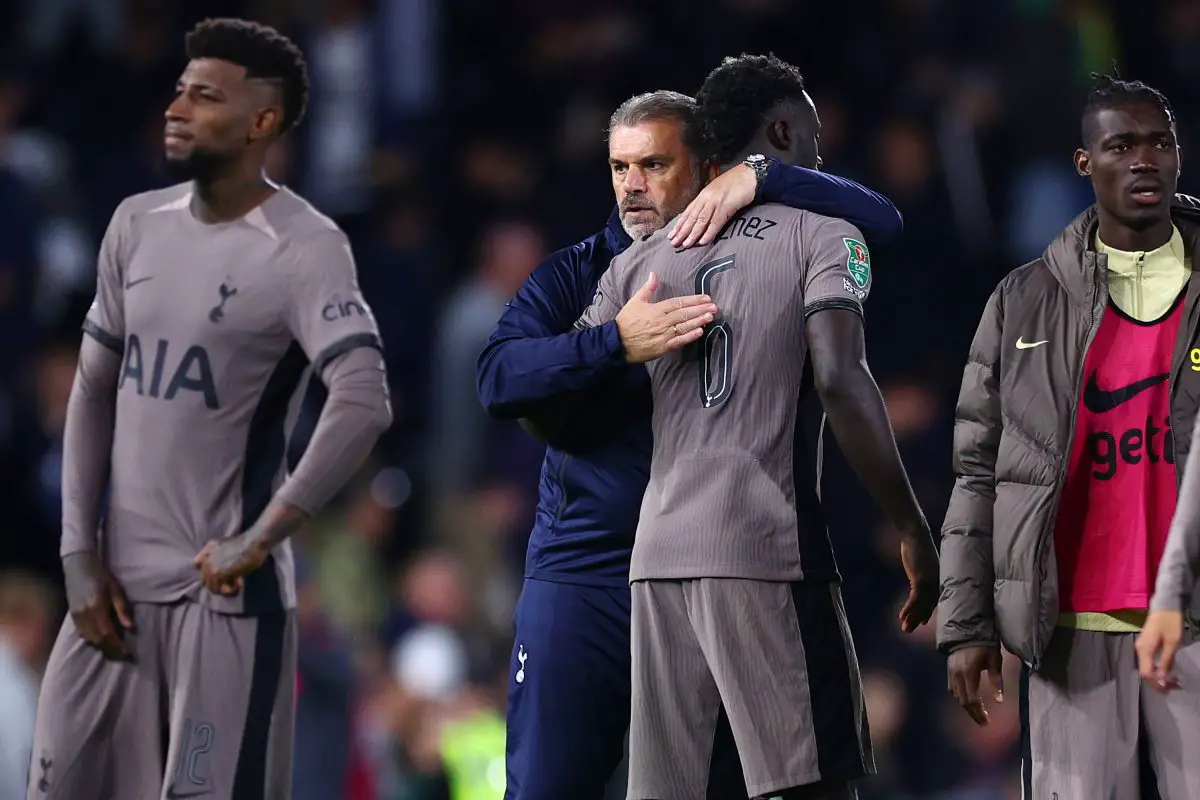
x=760, y=146
x=230, y=197
x=1131, y=240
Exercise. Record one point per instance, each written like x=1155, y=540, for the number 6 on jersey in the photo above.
x=716, y=348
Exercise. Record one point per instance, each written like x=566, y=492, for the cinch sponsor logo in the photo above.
x=338, y=309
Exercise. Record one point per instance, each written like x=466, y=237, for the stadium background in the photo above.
x=460, y=142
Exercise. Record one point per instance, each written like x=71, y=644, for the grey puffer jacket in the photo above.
x=1013, y=432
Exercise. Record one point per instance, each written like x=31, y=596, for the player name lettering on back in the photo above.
x=192, y=373
x=749, y=226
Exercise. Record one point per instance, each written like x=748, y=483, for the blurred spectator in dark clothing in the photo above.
x=927, y=269
x=398, y=272
x=346, y=548
x=430, y=589
x=48, y=24
x=34, y=485
x=339, y=135
x=484, y=471
x=510, y=250
x=325, y=686
x=122, y=89
x=20, y=223
x=133, y=168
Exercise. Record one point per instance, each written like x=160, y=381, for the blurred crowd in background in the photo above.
x=458, y=142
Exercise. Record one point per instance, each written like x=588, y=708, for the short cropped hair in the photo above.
x=663, y=104
x=264, y=52
x=1111, y=91
x=736, y=97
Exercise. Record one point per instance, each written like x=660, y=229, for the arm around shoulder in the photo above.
x=833, y=196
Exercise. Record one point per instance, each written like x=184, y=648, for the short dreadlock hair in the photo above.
x=264, y=52
x=737, y=95
x=1111, y=91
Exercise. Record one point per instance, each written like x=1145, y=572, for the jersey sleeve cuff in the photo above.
x=297, y=495
x=832, y=302
x=343, y=346
x=1168, y=601
x=105, y=338
x=72, y=547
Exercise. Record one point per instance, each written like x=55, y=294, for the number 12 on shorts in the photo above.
x=197, y=741
x=716, y=346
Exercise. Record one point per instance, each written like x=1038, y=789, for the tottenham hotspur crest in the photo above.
x=226, y=291
x=521, y=656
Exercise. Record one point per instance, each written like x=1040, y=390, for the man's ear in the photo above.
x=266, y=123
x=780, y=135
x=1083, y=162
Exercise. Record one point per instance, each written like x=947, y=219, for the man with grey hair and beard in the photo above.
x=587, y=395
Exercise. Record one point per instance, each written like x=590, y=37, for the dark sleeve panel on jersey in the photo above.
x=833, y=196
x=832, y=302
x=105, y=320
x=357, y=411
x=87, y=445
x=105, y=338
x=836, y=264
x=343, y=346
x=534, y=355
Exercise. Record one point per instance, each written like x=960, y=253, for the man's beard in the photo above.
x=202, y=166
x=664, y=214
x=639, y=229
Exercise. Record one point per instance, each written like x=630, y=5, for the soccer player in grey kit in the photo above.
x=217, y=299
x=737, y=609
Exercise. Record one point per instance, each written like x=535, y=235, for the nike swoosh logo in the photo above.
x=1024, y=345
x=1098, y=401
x=131, y=284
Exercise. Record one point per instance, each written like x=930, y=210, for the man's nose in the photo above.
x=1146, y=160
x=176, y=110
x=635, y=180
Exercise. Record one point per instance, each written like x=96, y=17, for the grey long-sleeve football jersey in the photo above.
x=734, y=483
x=217, y=325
